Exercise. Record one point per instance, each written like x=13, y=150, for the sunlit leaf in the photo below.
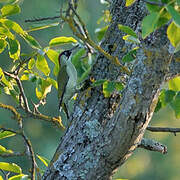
x=10, y=9
x=39, y=27
x=174, y=84
x=44, y=160
x=149, y=24
x=53, y=56
x=42, y=64
x=3, y=78
x=53, y=82
x=24, y=77
x=173, y=33
x=1, y=178
x=4, y=32
x=3, y=151
x=127, y=30
x=14, y=49
x=5, y=134
x=108, y=88
x=19, y=177
x=129, y=2
x=175, y=15
x=43, y=88
x=100, y=32
x=10, y=167
x=62, y=40
x=31, y=41
x=31, y=63
x=3, y=45
x=13, y=25
x=131, y=39
x=176, y=105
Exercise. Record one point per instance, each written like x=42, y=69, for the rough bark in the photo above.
x=105, y=131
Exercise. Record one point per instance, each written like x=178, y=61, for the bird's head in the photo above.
x=65, y=55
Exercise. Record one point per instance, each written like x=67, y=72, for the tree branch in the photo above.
x=153, y=145
x=163, y=129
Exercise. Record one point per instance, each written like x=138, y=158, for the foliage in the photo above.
x=35, y=66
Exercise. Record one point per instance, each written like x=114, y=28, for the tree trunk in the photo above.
x=105, y=131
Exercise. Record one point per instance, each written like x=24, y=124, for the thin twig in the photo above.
x=42, y=19
x=13, y=154
x=22, y=93
x=153, y=2
x=29, y=148
x=163, y=129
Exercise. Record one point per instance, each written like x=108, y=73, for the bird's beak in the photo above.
x=72, y=49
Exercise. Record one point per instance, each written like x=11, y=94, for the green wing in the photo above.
x=62, y=80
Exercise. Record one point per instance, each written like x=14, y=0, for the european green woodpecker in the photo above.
x=67, y=80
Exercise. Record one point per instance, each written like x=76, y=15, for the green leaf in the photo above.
x=175, y=15
x=166, y=97
x=131, y=39
x=176, y=105
x=13, y=25
x=130, y=56
x=3, y=45
x=98, y=82
x=53, y=82
x=78, y=62
x=4, y=32
x=62, y=40
x=3, y=79
x=43, y=26
x=149, y=24
x=53, y=56
x=31, y=41
x=164, y=18
x=119, y=86
x=43, y=88
x=173, y=33
x=5, y=134
x=174, y=84
x=19, y=177
x=152, y=7
x=31, y=63
x=127, y=30
x=100, y=32
x=10, y=167
x=4, y=151
x=10, y=9
x=14, y=49
x=42, y=64
x=108, y=88
x=130, y=2
x=44, y=160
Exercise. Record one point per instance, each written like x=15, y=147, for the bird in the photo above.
x=66, y=80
